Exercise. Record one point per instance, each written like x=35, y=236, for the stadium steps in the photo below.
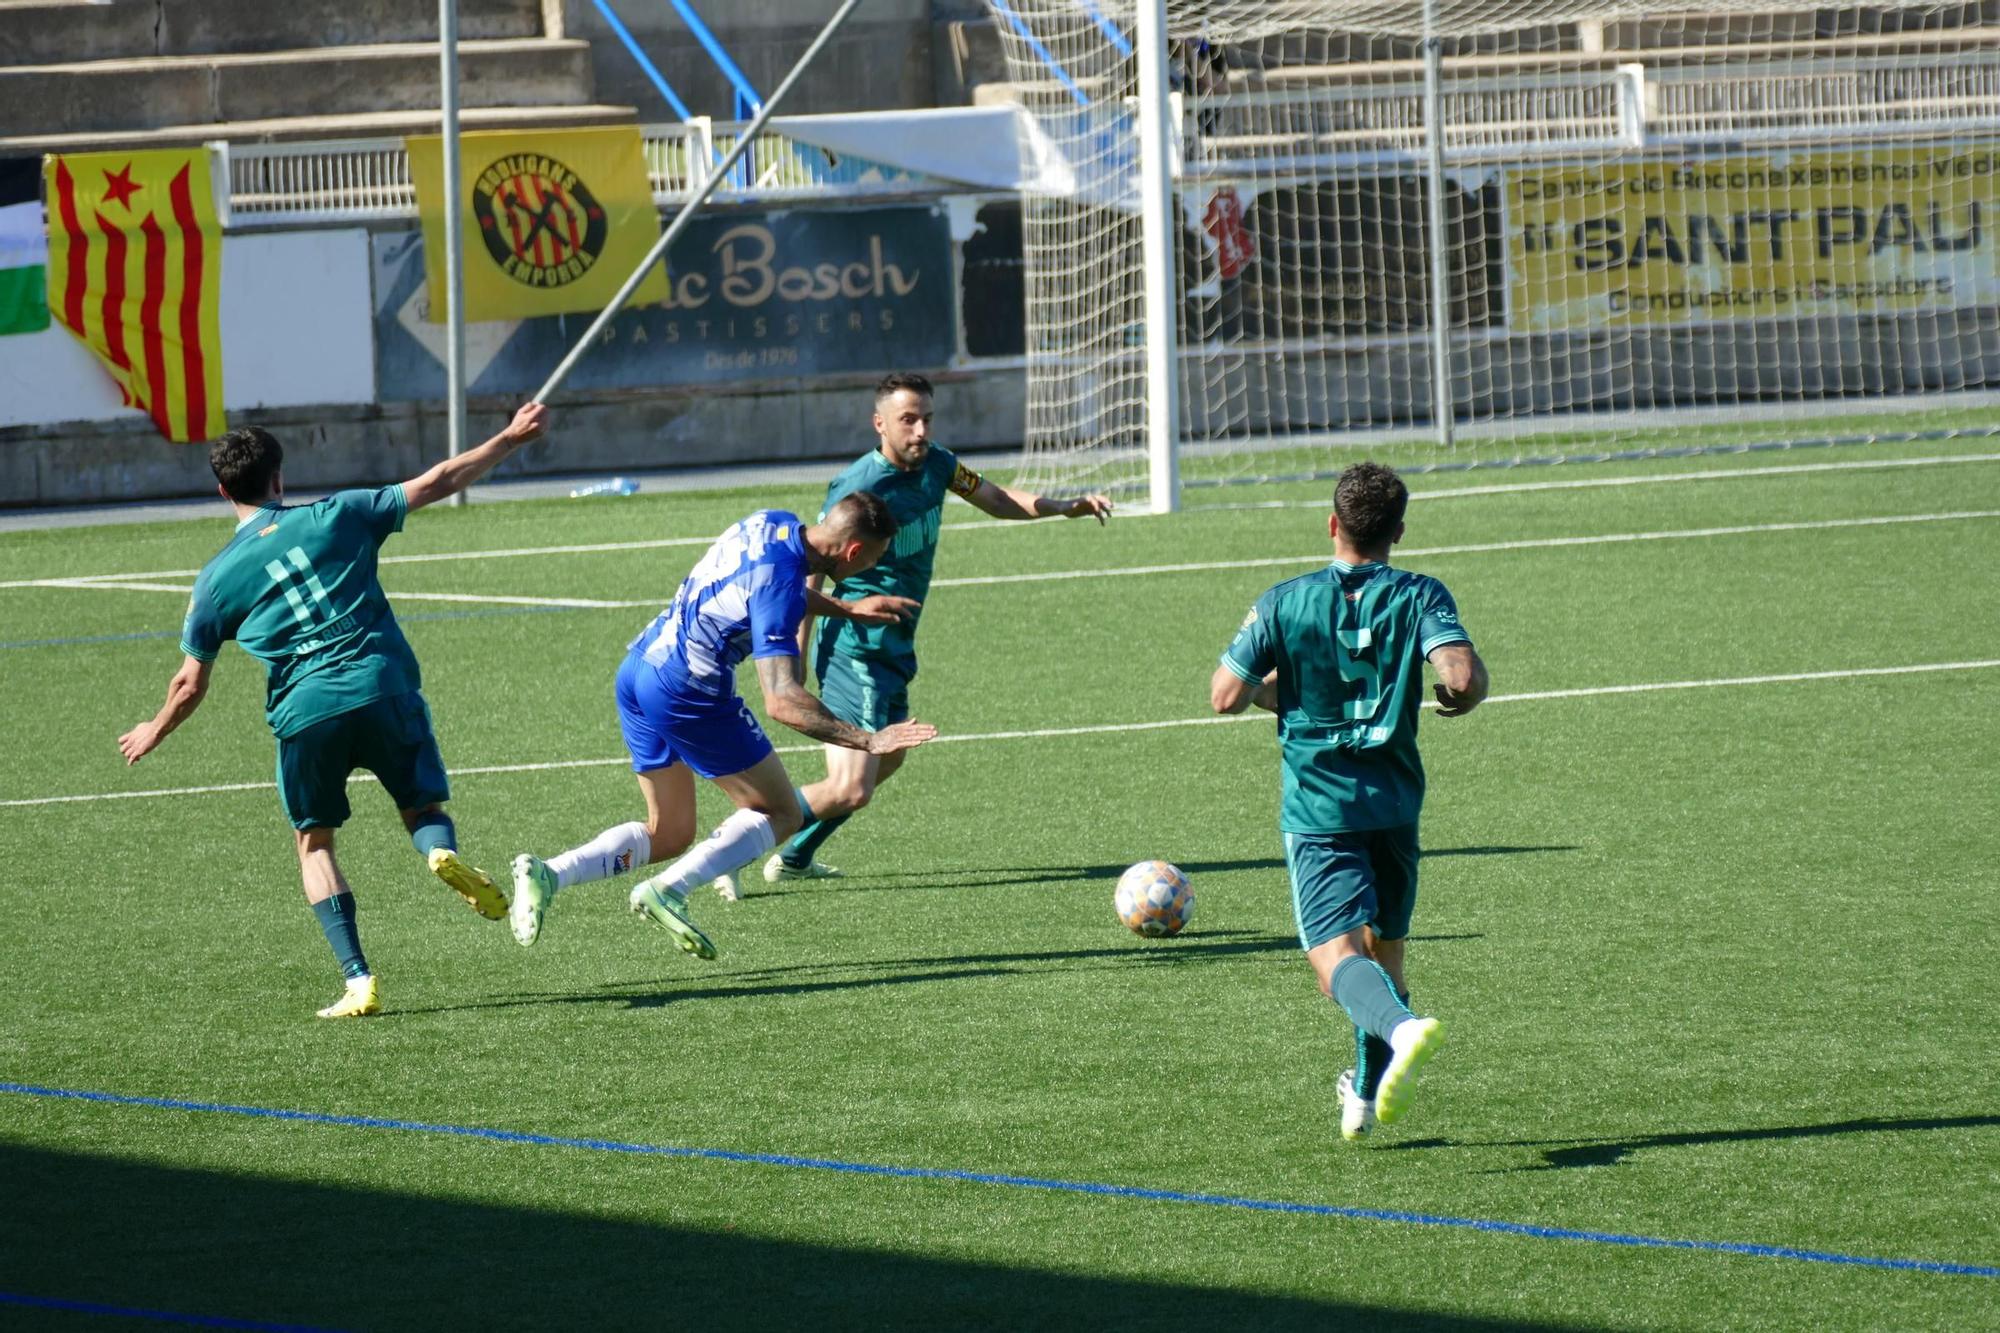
x=370, y=125
x=61, y=32
x=76, y=76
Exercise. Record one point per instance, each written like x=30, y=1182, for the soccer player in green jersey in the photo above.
x=1338, y=655
x=297, y=587
x=864, y=670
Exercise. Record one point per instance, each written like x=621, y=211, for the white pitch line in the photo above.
x=1111, y=728
x=1592, y=483
x=1511, y=488
x=576, y=603
x=1472, y=548
x=1191, y=567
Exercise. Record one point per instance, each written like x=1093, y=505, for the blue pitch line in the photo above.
x=1020, y=1182
x=158, y=1316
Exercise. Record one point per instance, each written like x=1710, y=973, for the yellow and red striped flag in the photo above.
x=135, y=272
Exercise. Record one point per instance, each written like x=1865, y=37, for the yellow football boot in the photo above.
x=470, y=883
x=360, y=1000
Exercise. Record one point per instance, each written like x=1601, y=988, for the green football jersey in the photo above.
x=296, y=586
x=917, y=500
x=1348, y=643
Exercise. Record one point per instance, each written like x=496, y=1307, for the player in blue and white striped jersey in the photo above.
x=681, y=715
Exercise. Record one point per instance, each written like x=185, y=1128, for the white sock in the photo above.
x=612, y=852
x=736, y=842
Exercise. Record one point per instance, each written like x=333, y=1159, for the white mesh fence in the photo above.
x=1660, y=231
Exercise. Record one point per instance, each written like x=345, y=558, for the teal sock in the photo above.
x=433, y=831
x=336, y=922
x=1364, y=990
x=799, y=851
x=1371, y=1056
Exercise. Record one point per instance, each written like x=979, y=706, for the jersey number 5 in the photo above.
x=1361, y=668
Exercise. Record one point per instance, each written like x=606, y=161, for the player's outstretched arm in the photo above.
x=455, y=474
x=786, y=700
x=1005, y=502
x=1462, y=682
x=184, y=694
x=877, y=609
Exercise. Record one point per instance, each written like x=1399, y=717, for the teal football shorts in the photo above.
x=1344, y=880
x=391, y=738
x=860, y=693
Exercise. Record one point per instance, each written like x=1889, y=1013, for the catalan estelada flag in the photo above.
x=554, y=220
x=135, y=272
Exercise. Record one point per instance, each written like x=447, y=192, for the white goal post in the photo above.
x=1462, y=232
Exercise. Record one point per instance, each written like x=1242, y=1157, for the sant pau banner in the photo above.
x=1786, y=235
x=750, y=296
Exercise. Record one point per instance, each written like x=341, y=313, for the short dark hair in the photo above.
x=1369, y=500
x=244, y=461
x=897, y=380
x=862, y=516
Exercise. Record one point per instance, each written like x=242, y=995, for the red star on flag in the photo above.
x=119, y=187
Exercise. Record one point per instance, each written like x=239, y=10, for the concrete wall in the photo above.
x=297, y=327
x=325, y=447
x=880, y=59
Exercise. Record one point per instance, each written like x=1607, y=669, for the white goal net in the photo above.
x=1617, y=229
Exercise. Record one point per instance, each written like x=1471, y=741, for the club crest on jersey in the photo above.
x=540, y=222
x=267, y=530
x=1249, y=620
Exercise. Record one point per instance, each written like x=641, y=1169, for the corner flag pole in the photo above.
x=454, y=242
x=679, y=224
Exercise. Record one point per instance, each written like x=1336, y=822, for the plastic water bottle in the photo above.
x=616, y=486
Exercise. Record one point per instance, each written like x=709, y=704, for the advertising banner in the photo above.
x=554, y=220
x=1784, y=235
x=755, y=296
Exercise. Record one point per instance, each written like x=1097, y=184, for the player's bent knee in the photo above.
x=784, y=822
x=665, y=844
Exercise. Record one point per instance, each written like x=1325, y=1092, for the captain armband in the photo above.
x=964, y=481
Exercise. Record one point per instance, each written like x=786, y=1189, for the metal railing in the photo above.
x=1485, y=117
x=1304, y=128
x=368, y=180
x=1881, y=95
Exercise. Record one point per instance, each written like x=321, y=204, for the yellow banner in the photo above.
x=135, y=272
x=1787, y=235
x=554, y=221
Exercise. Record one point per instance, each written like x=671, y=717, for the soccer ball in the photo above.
x=1154, y=899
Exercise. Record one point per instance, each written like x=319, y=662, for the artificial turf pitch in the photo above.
x=1716, y=961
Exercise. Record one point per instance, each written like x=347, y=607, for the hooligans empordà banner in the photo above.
x=24, y=248
x=135, y=272
x=554, y=221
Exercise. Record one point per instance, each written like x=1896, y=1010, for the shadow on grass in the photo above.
x=981, y=877
x=814, y=978
x=818, y=978
x=210, y=1247
x=1567, y=1154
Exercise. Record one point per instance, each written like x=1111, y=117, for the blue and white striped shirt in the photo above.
x=745, y=598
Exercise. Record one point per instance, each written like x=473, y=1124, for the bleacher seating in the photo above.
x=76, y=74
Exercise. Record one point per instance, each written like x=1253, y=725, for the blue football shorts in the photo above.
x=712, y=736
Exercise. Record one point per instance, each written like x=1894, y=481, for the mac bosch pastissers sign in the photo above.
x=778, y=295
